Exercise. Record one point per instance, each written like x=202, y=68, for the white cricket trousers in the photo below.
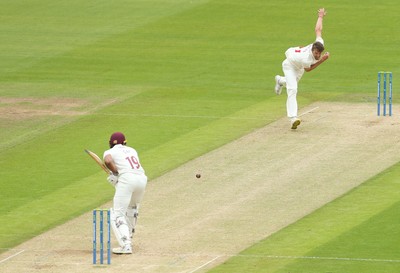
x=129, y=192
x=291, y=79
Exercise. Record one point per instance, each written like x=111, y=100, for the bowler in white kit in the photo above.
x=298, y=60
x=129, y=179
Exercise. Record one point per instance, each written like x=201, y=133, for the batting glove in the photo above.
x=112, y=179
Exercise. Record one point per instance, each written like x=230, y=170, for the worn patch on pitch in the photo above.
x=26, y=108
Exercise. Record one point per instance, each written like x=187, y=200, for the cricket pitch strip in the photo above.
x=249, y=189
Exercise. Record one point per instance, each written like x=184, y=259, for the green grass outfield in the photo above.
x=180, y=78
x=358, y=232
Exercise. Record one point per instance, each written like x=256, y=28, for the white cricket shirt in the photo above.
x=302, y=57
x=125, y=158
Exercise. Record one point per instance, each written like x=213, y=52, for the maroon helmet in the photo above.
x=117, y=138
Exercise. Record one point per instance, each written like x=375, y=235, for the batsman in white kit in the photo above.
x=129, y=179
x=298, y=60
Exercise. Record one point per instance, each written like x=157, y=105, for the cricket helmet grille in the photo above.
x=117, y=138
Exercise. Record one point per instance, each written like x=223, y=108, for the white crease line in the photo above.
x=198, y=116
x=153, y=254
x=184, y=116
x=283, y=257
x=207, y=263
x=12, y=256
x=309, y=111
x=320, y=258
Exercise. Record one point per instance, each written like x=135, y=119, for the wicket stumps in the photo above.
x=101, y=236
x=385, y=76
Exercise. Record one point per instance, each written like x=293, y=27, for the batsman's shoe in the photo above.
x=127, y=249
x=295, y=122
x=278, y=86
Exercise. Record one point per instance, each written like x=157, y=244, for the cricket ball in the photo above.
x=198, y=175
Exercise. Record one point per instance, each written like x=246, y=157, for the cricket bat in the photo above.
x=98, y=161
